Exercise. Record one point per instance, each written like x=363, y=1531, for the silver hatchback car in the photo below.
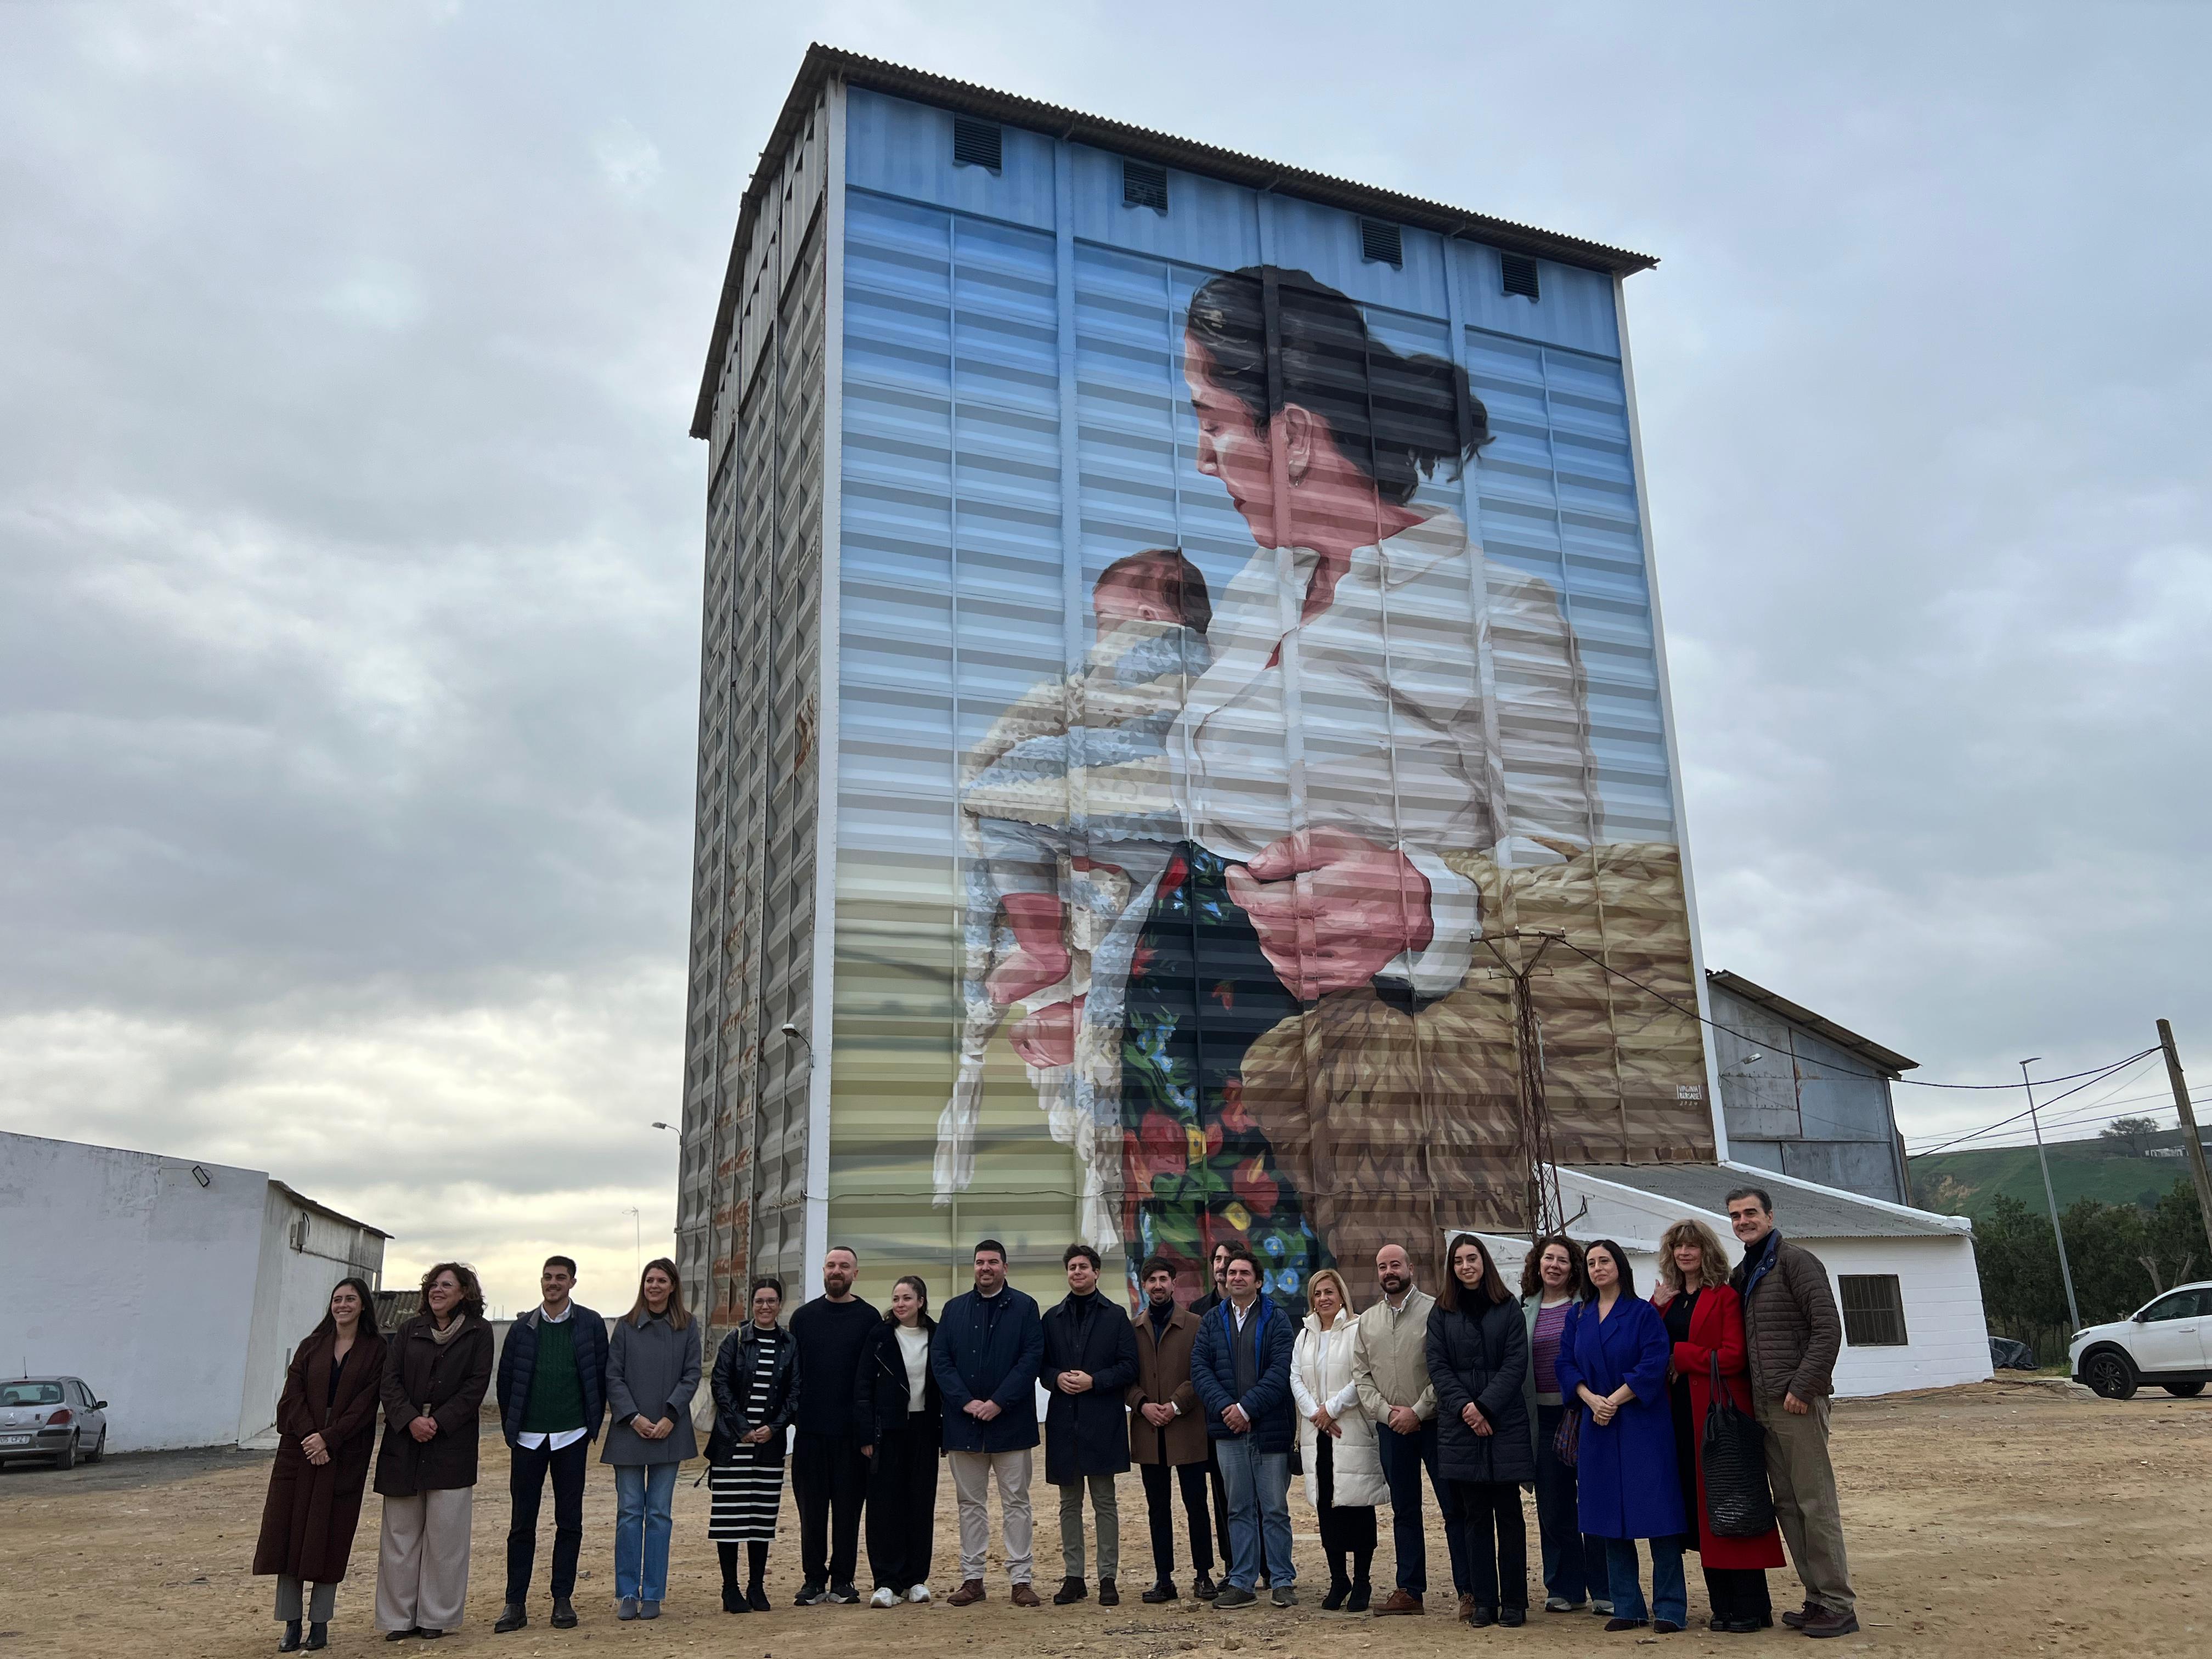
x=51, y=1417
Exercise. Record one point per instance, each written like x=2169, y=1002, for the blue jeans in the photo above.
x=1258, y=1486
x=1403, y=1457
x=645, y=1494
x=1670, y=1592
x=1574, y=1561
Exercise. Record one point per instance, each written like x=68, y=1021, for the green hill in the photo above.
x=1965, y=1182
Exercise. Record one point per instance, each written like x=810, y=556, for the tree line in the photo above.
x=2121, y=1255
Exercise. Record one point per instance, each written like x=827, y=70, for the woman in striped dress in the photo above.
x=756, y=1396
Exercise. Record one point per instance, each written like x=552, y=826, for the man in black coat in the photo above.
x=828, y=1475
x=552, y=1395
x=1090, y=1358
x=989, y=1344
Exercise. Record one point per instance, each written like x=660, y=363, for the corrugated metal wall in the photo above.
x=741, y=1196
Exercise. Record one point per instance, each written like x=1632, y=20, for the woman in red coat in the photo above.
x=327, y=1417
x=1704, y=1320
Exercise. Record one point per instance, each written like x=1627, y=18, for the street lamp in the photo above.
x=2065, y=1272
x=799, y=1036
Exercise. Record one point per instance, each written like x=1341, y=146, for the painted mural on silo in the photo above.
x=1362, y=698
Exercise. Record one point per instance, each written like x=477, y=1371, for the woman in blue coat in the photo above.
x=1613, y=1358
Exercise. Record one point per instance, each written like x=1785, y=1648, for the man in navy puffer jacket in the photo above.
x=1241, y=1365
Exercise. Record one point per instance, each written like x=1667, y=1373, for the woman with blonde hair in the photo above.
x=652, y=1372
x=1704, y=1321
x=1336, y=1440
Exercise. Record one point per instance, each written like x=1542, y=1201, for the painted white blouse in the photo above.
x=1436, y=705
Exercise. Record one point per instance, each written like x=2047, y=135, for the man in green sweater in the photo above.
x=552, y=1394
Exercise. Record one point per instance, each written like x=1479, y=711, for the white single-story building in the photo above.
x=177, y=1290
x=1905, y=1278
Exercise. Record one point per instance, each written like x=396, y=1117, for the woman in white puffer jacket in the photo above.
x=1343, y=1472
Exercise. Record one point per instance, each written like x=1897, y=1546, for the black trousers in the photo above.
x=1496, y=1541
x=526, y=1484
x=1344, y=1532
x=903, y=1503
x=1159, y=1512
x=1739, y=1593
x=830, y=1481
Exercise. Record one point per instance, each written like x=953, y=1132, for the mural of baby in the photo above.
x=1069, y=813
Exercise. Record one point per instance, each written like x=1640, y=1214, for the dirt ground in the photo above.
x=1997, y=1518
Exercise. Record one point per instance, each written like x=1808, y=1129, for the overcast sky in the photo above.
x=350, y=536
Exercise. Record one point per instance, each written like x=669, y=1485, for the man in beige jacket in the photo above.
x=1390, y=1369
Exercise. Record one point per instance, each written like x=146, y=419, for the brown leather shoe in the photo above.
x=970, y=1591
x=1812, y=1609
x=1023, y=1597
x=1467, y=1609
x=1830, y=1621
x=1400, y=1601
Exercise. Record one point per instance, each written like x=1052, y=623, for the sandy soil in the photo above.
x=1999, y=1518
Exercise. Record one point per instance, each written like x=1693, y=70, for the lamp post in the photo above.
x=2065, y=1272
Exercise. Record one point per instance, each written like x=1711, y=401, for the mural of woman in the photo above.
x=1345, y=787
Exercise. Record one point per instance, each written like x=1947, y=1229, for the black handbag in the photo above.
x=1738, y=1502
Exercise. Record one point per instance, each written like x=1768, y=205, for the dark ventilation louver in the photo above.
x=975, y=143
x=1518, y=274
x=1144, y=185
x=1381, y=243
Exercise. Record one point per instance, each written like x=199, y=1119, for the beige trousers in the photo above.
x=972, y=1473
x=1804, y=1484
x=1108, y=1509
x=423, y=1560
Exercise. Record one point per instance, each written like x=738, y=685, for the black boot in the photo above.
x=1339, y=1585
x=318, y=1637
x=291, y=1642
x=1362, y=1591
x=734, y=1597
x=757, y=1575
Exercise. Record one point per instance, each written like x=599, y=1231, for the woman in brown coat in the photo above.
x=327, y=1417
x=1167, y=1431
x=435, y=1372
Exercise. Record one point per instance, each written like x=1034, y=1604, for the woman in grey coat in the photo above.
x=653, y=1371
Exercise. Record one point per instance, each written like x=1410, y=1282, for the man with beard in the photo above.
x=1090, y=1357
x=990, y=1341
x=828, y=1476
x=1390, y=1369
x=1218, y=1268
x=1167, y=1431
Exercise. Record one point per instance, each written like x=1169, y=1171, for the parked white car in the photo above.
x=2167, y=1341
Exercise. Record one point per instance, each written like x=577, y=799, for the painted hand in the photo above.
x=1332, y=909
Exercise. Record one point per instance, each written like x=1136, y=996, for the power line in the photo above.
x=1976, y=1135
x=2089, y=1112
x=1844, y=1071
x=2086, y=1111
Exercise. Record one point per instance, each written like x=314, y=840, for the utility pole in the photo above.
x=2073, y=1308
x=2196, y=1146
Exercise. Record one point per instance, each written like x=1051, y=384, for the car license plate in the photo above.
x=14, y=1439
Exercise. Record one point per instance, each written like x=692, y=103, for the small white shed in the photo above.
x=176, y=1290
x=1905, y=1278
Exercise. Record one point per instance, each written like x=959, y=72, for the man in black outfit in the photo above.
x=828, y=1475
x=552, y=1395
x=1167, y=1432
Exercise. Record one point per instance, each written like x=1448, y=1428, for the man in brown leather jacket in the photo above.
x=1794, y=1332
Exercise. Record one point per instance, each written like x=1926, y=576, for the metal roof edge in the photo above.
x=325, y=1210
x=1186, y=155
x=1820, y=1024
x=1950, y=1224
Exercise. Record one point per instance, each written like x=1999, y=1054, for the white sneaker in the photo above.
x=918, y=1594
x=885, y=1596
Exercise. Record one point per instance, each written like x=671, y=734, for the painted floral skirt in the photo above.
x=1199, y=1169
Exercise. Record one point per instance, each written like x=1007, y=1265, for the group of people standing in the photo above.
x=1575, y=1387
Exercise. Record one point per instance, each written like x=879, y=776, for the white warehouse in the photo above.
x=1905, y=1278
x=176, y=1290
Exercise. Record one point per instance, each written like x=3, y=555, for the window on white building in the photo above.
x=1874, y=1310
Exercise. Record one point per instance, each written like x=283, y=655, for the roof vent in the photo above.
x=1381, y=243
x=1144, y=185
x=1517, y=275
x=975, y=143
